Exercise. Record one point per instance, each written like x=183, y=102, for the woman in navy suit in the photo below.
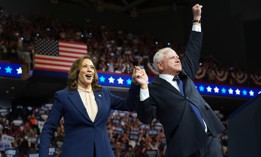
x=85, y=107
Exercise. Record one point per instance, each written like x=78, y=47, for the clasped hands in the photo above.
x=140, y=77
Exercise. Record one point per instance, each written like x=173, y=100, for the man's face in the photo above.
x=86, y=74
x=170, y=64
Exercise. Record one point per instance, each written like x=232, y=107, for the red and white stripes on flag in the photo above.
x=51, y=55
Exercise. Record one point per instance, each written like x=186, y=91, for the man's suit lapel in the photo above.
x=161, y=82
x=77, y=102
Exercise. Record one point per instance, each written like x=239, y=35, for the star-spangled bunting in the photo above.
x=10, y=70
x=119, y=80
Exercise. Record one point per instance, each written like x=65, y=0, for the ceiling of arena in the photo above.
x=131, y=6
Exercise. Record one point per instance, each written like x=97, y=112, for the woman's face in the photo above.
x=86, y=74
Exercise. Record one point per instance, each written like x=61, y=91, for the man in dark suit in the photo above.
x=190, y=126
x=85, y=107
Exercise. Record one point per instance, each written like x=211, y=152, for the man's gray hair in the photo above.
x=159, y=56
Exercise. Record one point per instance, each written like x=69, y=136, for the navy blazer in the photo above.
x=82, y=135
x=184, y=132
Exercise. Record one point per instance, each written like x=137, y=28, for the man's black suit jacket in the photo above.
x=184, y=132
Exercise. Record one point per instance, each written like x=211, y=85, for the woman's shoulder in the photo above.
x=63, y=91
x=105, y=89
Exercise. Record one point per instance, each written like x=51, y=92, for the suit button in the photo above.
x=186, y=97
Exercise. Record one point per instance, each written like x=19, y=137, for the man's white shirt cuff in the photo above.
x=196, y=28
x=144, y=94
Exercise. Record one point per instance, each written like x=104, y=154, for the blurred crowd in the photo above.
x=112, y=49
x=129, y=137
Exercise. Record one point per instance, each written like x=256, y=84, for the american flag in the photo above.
x=52, y=55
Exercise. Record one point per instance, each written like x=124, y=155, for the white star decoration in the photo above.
x=251, y=93
x=237, y=92
x=120, y=80
x=216, y=89
x=230, y=91
x=209, y=89
x=111, y=80
x=19, y=70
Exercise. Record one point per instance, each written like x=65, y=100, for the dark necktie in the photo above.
x=180, y=84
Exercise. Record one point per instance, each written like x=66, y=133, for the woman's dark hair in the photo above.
x=72, y=80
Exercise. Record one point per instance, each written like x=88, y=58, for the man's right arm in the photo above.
x=144, y=108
